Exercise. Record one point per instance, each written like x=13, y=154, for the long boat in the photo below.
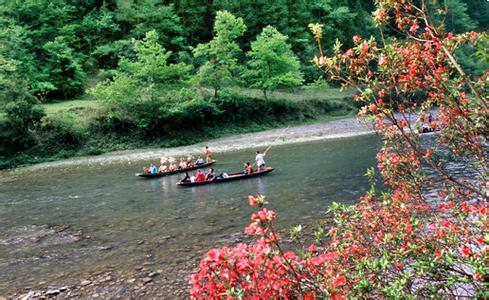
x=152, y=175
x=233, y=176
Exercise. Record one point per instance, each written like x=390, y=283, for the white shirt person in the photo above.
x=260, y=161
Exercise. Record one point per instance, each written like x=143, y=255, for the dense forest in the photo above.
x=158, y=68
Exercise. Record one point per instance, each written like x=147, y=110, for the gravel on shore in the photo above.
x=149, y=280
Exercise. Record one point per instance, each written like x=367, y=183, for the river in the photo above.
x=64, y=221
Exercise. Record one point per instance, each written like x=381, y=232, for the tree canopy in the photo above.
x=220, y=55
x=60, y=45
x=272, y=62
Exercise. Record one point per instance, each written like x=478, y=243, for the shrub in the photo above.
x=60, y=132
x=22, y=119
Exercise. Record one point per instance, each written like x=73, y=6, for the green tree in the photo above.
x=142, y=16
x=131, y=95
x=220, y=55
x=272, y=62
x=478, y=10
x=457, y=18
x=96, y=28
x=121, y=95
x=64, y=69
x=151, y=64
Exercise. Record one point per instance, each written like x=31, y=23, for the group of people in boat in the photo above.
x=170, y=165
x=200, y=176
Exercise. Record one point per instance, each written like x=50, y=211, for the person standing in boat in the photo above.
x=208, y=154
x=260, y=160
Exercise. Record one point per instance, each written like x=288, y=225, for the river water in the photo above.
x=65, y=221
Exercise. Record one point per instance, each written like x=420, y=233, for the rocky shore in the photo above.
x=150, y=279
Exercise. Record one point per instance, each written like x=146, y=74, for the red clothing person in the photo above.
x=199, y=177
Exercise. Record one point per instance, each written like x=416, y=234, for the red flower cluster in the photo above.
x=262, y=271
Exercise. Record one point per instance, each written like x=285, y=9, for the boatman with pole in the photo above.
x=208, y=154
x=260, y=161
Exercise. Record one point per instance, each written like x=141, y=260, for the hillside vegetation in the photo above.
x=85, y=77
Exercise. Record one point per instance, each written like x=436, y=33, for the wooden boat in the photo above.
x=149, y=175
x=233, y=176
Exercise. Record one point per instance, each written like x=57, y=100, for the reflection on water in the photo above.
x=58, y=220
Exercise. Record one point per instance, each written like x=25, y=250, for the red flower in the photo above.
x=253, y=229
x=335, y=296
x=251, y=200
x=309, y=296
x=339, y=281
x=465, y=251
x=414, y=28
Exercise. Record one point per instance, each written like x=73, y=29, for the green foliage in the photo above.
x=473, y=62
x=108, y=55
x=146, y=15
x=31, y=31
x=451, y=16
x=457, y=20
x=478, y=10
x=60, y=131
x=131, y=95
x=120, y=95
x=63, y=68
x=220, y=55
x=98, y=27
x=43, y=35
x=272, y=62
x=151, y=64
x=22, y=118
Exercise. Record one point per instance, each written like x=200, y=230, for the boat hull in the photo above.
x=232, y=177
x=148, y=175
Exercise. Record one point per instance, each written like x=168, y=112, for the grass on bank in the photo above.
x=71, y=105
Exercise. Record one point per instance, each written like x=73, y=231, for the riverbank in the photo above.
x=340, y=128
x=79, y=128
